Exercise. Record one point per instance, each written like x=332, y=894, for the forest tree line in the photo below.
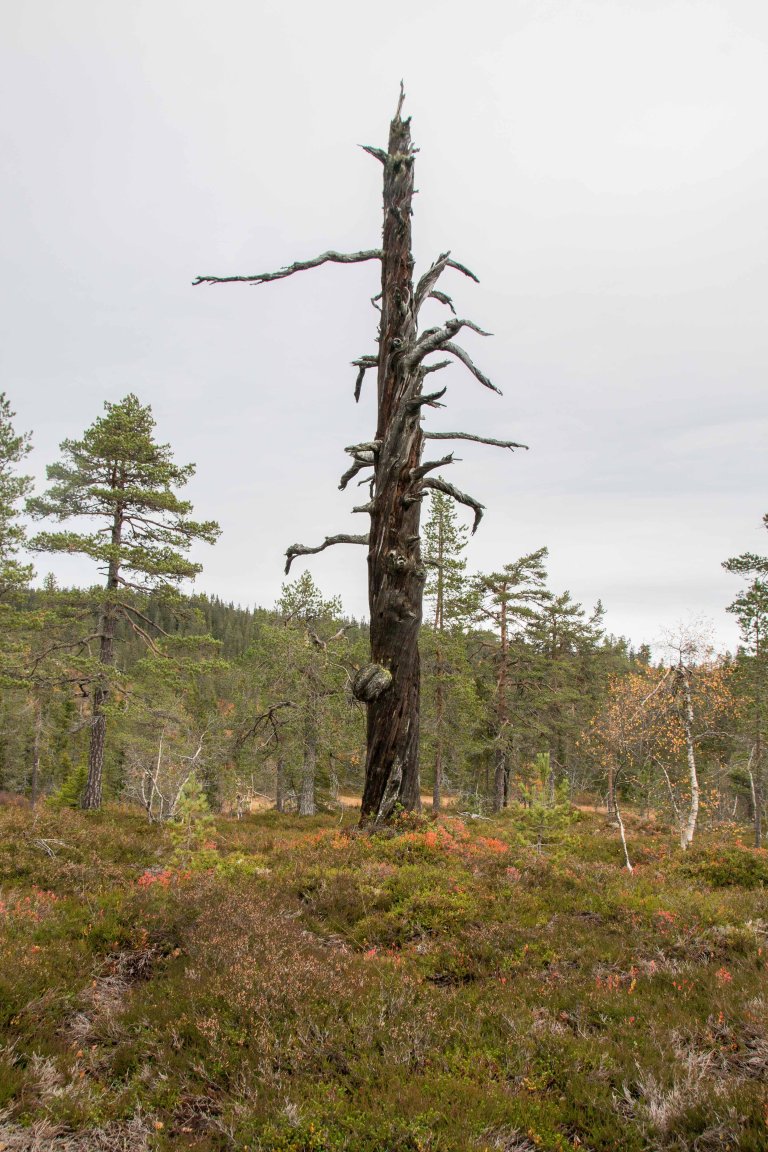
x=525, y=698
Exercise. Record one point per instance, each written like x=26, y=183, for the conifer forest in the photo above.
x=469, y=872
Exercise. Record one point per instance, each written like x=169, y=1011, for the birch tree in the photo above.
x=397, y=476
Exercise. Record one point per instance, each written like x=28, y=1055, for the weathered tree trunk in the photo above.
x=499, y=781
x=91, y=797
x=757, y=779
x=501, y=775
x=395, y=572
x=437, y=787
x=309, y=770
x=389, y=684
x=280, y=785
x=36, y=750
x=439, y=722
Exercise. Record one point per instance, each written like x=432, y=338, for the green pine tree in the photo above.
x=14, y=447
x=750, y=608
x=448, y=686
x=508, y=599
x=120, y=478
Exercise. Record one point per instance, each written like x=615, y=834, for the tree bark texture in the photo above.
x=501, y=774
x=395, y=571
x=309, y=768
x=92, y=794
x=280, y=785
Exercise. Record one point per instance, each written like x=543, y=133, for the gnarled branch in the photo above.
x=444, y=298
x=363, y=364
x=460, y=354
x=461, y=268
x=456, y=494
x=436, y=338
x=426, y=284
x=377, y=153
x=302, y=550
x=353, y=470
x=429, y=466
x=426, y=398
x=330, y=257
x=476, y=439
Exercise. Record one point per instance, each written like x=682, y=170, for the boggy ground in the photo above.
x=288, y=985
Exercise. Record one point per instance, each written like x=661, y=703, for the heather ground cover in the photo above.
x=286, y=984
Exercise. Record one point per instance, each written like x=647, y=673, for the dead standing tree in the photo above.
x=389, y=684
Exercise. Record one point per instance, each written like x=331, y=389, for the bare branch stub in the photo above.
x=302, y=549
x=363, y=363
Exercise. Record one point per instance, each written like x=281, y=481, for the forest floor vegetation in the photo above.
x=290, y=985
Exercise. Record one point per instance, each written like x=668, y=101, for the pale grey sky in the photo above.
x=601, y=164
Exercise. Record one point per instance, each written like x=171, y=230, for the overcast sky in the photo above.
x=602, y=167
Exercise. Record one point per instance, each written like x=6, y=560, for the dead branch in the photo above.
x=302, y=550
x=426, y=284
x=444, y=298
x=460, y=354
x=464, y=271
x=458, y=495
x=353, y=471
x=146, y=619
x=476, y=439
x=264, y=718
x=430, y=465
x=434, y=339
x=330, y=257
x=366, y=446
x=363, y=364
x=377, y=153
x=148, y=640
x=428, y=398
x=324, y=643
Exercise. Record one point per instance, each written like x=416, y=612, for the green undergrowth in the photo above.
x=293, y=985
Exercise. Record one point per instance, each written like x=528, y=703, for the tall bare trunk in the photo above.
x=395, y=572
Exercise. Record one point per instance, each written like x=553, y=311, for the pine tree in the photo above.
x=13, y=487
x=448, y=689
x=750, y=608
x=120, y=478
x=507, y=599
